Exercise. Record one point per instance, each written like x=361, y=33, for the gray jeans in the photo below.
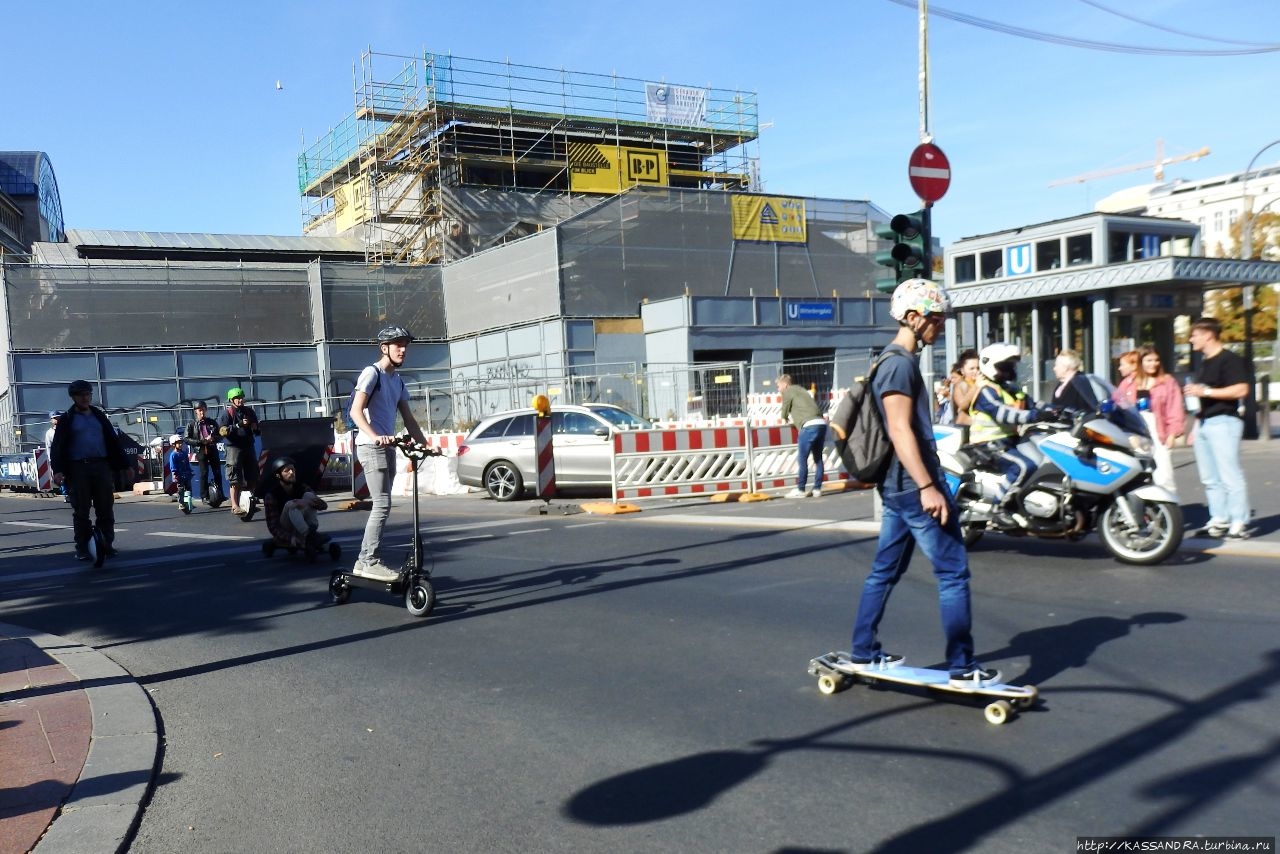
x=379, y=466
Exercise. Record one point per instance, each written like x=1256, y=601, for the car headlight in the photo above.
x=1140, y=444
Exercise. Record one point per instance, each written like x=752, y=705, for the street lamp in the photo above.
x=1246, y=293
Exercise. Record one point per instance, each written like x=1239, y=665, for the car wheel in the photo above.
x=503, y=482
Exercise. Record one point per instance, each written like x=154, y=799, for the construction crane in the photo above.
x=1159, y=163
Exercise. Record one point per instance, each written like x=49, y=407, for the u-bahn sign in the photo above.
x=929, y=172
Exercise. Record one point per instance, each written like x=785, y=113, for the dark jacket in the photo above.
x=60, y=447
x=237, y=434
x=1077, y=394
x=197, y=441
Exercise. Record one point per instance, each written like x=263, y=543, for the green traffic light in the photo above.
x=907, y=254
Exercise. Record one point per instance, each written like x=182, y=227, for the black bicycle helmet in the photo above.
x=280, y=463
x=79, y=387
x=393, y=333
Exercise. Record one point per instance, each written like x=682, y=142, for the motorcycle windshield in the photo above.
x=1128, y=418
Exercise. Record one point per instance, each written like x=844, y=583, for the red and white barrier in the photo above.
x=44, y=474
x=544, y=456
x=678, y=462
x=359, y=487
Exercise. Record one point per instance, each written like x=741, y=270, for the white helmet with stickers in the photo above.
x=918, y=295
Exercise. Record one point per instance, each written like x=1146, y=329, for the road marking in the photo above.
x=476, y=537
x=107, y=578
x=769, y=522
x=183, y=535
x=584, y=524
x=44, y=573
x=49, y=525
x=198, y=568
x=528, y=531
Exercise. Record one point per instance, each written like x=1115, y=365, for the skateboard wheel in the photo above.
x=998, y=712
x=1027, y=701
x=831, y=683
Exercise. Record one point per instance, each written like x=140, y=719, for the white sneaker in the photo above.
x=376, y=570
x=797, y=493
x=817, y=493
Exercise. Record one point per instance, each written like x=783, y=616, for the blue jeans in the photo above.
x=1217, y=448
x=904, y=524
x=811, y=443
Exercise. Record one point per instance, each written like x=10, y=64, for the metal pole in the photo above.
x=925, y=135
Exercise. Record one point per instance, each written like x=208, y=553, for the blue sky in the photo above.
x=165, y=116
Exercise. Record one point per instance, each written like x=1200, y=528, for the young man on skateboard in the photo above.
x=918, y=509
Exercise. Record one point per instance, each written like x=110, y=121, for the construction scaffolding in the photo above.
x=432, y=144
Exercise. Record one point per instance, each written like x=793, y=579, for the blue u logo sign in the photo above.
x=1017, y=260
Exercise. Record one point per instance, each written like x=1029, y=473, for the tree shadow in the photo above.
x=691, y=783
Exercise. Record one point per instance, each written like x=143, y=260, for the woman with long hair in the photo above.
x=1164, y=412
x=1130, y=367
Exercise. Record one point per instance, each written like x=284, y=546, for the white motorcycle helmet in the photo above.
x=993, y=355
x=919, y=295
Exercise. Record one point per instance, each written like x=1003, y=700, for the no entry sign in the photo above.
x=929, y=172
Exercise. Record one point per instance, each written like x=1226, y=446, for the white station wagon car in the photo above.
x=499, y=453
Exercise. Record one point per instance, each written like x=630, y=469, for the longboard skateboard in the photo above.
x=835, y=673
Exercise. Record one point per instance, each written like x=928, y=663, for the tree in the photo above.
x=1227, y=304
x=1265, y=227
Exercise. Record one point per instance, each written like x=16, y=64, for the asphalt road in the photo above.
x=637, y=683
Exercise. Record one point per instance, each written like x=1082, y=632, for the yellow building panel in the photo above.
x=769, y=219
x=612, y=169
x=351, y=203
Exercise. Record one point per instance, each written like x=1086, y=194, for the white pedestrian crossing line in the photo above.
x=187, y=535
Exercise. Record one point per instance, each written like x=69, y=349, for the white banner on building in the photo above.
x=675, y=105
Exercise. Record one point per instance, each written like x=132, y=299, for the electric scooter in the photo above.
x=413, y=583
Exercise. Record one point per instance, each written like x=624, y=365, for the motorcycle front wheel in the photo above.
x=1158, y=534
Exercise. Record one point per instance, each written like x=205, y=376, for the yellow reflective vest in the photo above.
x=985, y=428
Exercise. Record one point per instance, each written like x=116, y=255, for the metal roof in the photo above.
x=205, y=242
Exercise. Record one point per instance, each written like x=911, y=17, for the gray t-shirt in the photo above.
x=383, y=404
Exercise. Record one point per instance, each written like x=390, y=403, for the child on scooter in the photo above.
x=180, y=472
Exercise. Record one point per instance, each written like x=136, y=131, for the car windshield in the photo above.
x=621, y=418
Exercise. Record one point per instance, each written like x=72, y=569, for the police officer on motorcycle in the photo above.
x=998, y=410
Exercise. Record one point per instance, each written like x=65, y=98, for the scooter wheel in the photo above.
x=420, y=598
x=339, y=590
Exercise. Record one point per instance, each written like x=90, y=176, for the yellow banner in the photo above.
x=351, y=204
x=769, y=219
x=610, y=169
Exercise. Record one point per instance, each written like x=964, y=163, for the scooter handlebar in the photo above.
x=411, y=449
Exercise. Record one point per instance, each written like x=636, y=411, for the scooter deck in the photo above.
x=835, y=673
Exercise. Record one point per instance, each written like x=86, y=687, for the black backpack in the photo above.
x=861, y=440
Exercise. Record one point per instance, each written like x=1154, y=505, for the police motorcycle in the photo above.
x=1094, y=472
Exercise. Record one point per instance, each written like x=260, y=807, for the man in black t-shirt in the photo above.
x=1221, y=384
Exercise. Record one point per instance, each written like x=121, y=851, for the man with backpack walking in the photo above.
x=379, y=395
x=917, y=508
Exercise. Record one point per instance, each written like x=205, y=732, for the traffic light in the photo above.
x=907, y=256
